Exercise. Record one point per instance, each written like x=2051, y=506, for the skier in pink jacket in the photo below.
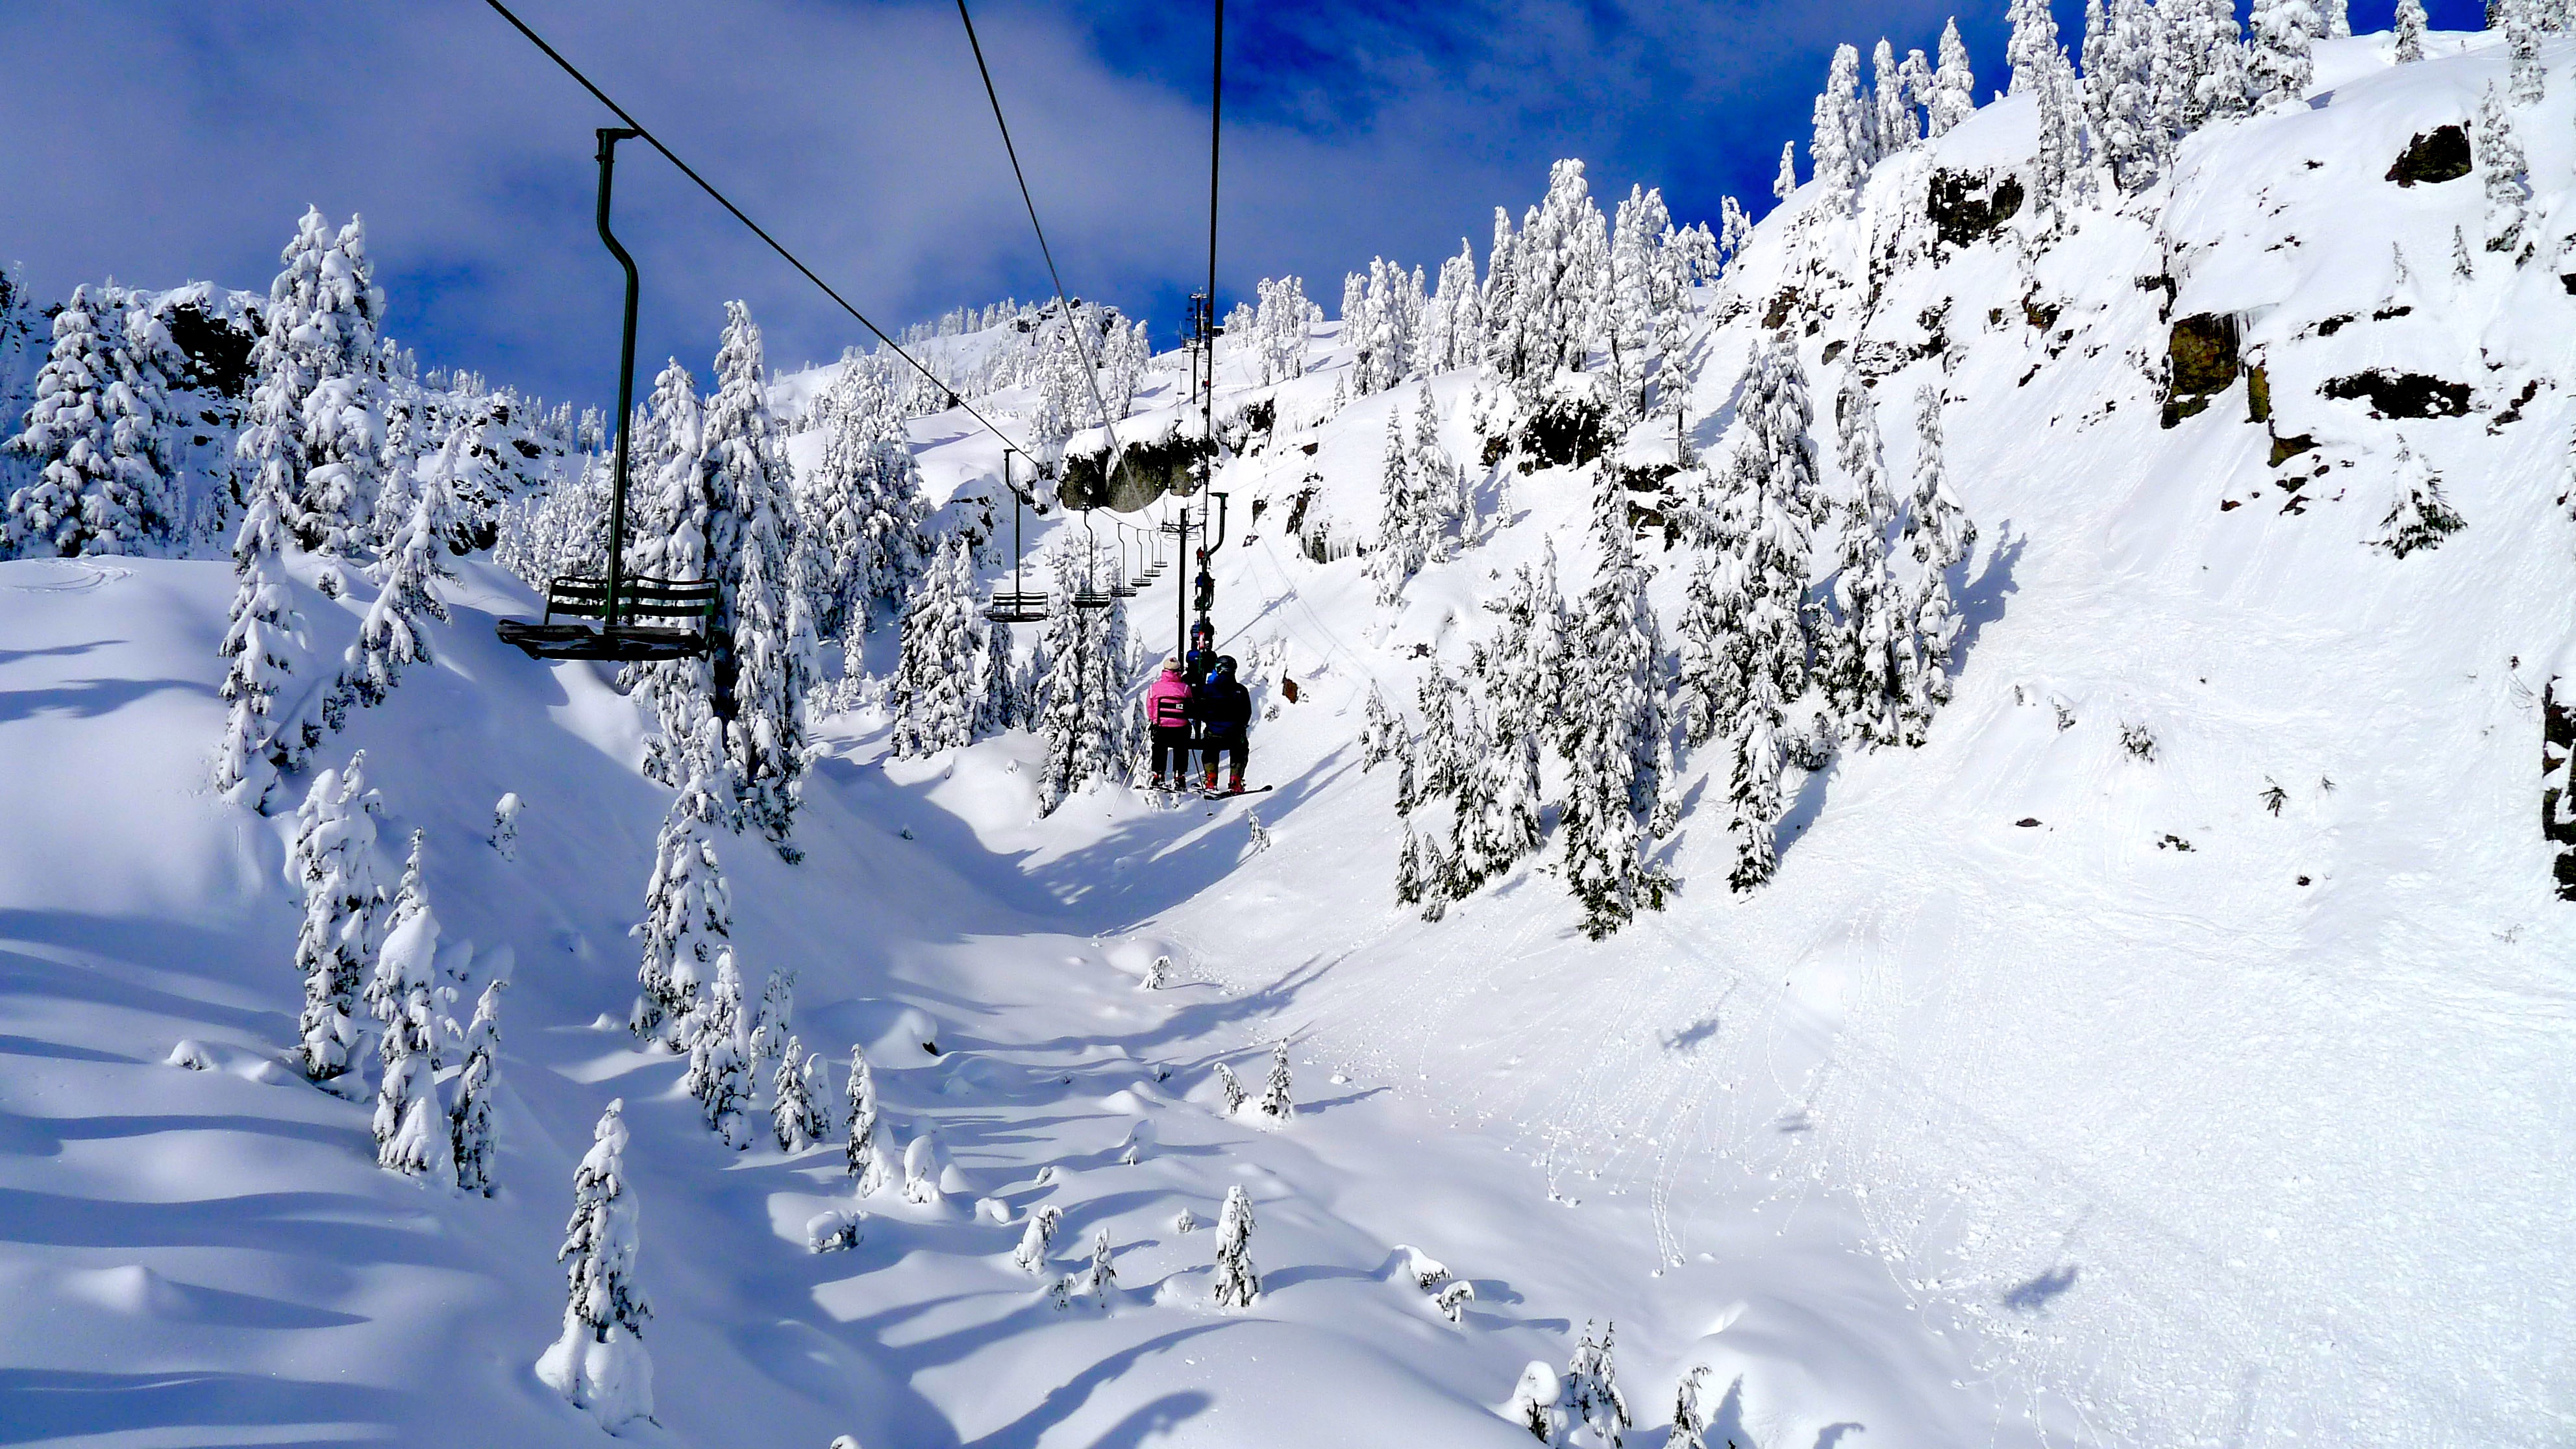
x=1167, y=714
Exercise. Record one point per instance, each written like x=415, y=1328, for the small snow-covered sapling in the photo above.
x=1592, y=1396
x=1030, y=1256
x=1184, y=1222
x=1230, y=1090
x=470, y=1123
x=190, y=1054
x=1159, y=974
x=2274, y=797
x=505, y=826
x=866, y=1160
x=1452, y=1300
x=1690, y=1417
x=1103, y=1279
x=833, y=1231
x=1534, y=1402
x=1257, y=835
x=791, y=1116
x=1237, y=1284
x=1275, y=1102
x=921, y=1167
x=1426, y=1271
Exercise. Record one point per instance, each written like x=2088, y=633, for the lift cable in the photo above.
x=1216, y=132
x=1072, y=324
x=655, y=142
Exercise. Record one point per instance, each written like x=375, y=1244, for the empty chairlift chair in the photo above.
x=637, y=617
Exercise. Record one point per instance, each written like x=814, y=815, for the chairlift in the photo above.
x=1090, y=595
x=1017, y=604
x=1122, y=583
x=639, y=618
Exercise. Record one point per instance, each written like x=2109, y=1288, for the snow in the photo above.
x=2169, y=1118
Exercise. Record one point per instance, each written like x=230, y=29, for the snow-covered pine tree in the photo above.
x=333, y=860
x=1279, y=327
x=792, y=1118
x=863, y=1152
x=1773, y=504
x=1954, y=85
x=2132, y=128
x=2062, y=169
x=2279, y=62
x=2503, y=172
x=1709, y=681
x=1031, y=1255
x=267, y=730
x=599, y=1363
x=1081, y=701
x=1861, y=650
x=2033, y=43
x=1276, y=1102
x=1753, y=785
x=1939, y=534
x=65, y=441
x=1398, y=554
x=763, y=655
x=1592, y=1390
x=2522, y=25
x=1438, y=763
x=478, y=1082
x=1690, y=1416
x=1408, y=869
x=1498, y=802
x=391, y=635
x=767, y=1039
x=2421, y=517
x=937, y=695
x=720, y=1068
x=1102, y=1278
x=343, y=422
x=1637, y=293
x=1237, y=1284
x=1831, y=151
x=863, y=507
x=1614, y=720
x=1564, y=261
x=688, y=913
x=2212, y=46
x=1785, y=184
x=998, y=688
x=818, y=1096
x=2410, y=25
x=676, y=518
x=413, y=1135
x=1892, y=116
x=1378, y=730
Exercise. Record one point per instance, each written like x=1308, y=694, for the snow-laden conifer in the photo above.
x=599, y=1363
x=1563, y=255
x=2420, y=517
x=343, y=422
x=391, y=635
x=1785, y=184
x=764, y=639
x=1753, y=803
x=1892, y=121
x=863, y=506
x=266, y=727
x=1708, y=680
x=720, y=1071
x=2336, y=19
x=1690, y=1416
x=1537, y=1402
x=2410, y=25
x=505, y=825
x=1638, y=294
x=2502, y=171
x=1031, y=1255
x=1081, y=699
x=2280, y=65
x=793, y=1120
x=676, y=519
x=2528, y=79
x=1276, y=1102
x=2062, y=170
x=1954, y=85
x=1101, y=1279
x=1592, y=1398
x=688, y=913
x=1938, y=533
x=1833, y=152
x=767, y=1037
x=1229, y=1090
x=64, y=437
x=1614, y=720
x=1378, y=730
x=863, y=1151
x=2032, y=44
x=1766, y=499
x=1279, y=329
x=1861, y=651
x=332, y=858
x=1237, y=1284
x=478, y=1083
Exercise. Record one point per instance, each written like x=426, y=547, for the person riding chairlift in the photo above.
x=1224, y=713
x=1167, y=715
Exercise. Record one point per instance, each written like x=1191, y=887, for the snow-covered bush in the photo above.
x=1031, y=1255
x=1237, y=1284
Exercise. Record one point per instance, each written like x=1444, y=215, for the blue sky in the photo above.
x=156, y=143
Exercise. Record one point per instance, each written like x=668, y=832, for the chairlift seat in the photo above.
x=1092, y=599
x=656, y=619
x=1011, y=607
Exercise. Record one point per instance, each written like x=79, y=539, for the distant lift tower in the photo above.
x=1198, y=338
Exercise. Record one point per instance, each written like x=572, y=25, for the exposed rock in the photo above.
x=2441, y=154
x=2402, y=394
x=2200, y=363
x=1968, y=206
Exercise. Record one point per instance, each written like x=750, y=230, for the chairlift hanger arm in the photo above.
x=646, y=136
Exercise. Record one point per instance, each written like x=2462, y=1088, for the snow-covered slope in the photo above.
x=2170, y=1117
